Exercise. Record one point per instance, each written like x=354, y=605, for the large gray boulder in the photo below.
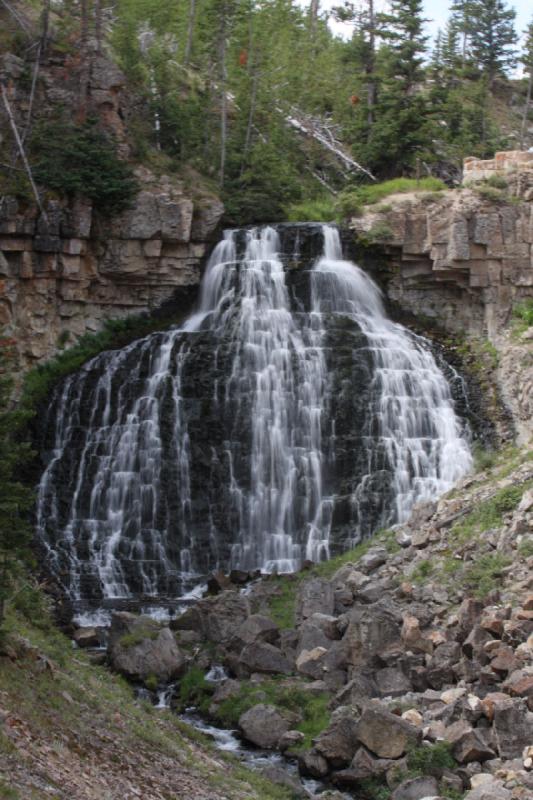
x=314, y=597
x=215, y=618
x=385, y=734
x=372, y=630
x=263, y=725
x=256, y=628
x=416, y=789
x=513, y=728
x=338, y=742
x=140, y=648
x=264, y=657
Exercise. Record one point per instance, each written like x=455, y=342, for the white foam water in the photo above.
x=126, y=528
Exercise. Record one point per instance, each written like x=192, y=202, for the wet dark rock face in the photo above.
x=180, y=519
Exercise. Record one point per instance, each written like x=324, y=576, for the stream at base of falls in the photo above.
x=229, y=741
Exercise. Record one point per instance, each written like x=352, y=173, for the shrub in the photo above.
x=430, y=760
x=194, y=690
x=497, y=182
x=486, y=573
x=523, y=316
x=73, y=159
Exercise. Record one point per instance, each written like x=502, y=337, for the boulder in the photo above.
x=385, y=734
x=256, y=628
x=265, y=658
x=314, y=596
x=392, y=682
x=416, y=789
x=310, y=636
x=365, y=765
x=280, y=777
x=371, y=630
x=313, y=764
x=513, y=728
x=311, y=662
x=338, y=742
x=139, y=648
x=263, y=725
x=289, y=740
x=327, y=624
x=87, y=637
x=467, y=743
x=373, y=559
x=216, y=618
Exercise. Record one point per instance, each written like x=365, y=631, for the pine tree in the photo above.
x=492, y=37
x=15, y=498
x=401, y=130
x=527, y=61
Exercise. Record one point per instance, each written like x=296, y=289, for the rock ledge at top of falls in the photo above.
x=457, y=257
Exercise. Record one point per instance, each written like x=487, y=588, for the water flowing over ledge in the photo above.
x=286, y=419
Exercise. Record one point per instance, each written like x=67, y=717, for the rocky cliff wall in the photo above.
x=463, y=259
x=66, y=274
x=65, y=277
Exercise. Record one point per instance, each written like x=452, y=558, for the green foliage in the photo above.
x=483, y=459
x=39, y=381
x=497, y=182
x=488, y=514
x=422, y=571
x=380, y=232
x=139, y=635
x=485, y=574
x=523, y=316
x=430, y=760
x=194, y=690
x=490, y=193
x=525, y=548
x=16, y=499
x=318, y=210
x=312, y=708
x=374, y=789
x=353, y=200
x=73, y=159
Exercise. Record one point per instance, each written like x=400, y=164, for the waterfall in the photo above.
x=286, y=419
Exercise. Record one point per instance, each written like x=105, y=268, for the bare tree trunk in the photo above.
x=526, y=109
x=251, y=114
x=45, y=20
x=20, y=146
x=223, y=96
x=370, y=66
x=313, y=15
x=85, y=71
x=98, y=24
x=190, y=31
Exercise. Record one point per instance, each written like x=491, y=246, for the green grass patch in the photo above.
x=321, y=209
x=485, y=574
x=525, y=548
x=138, y=636
x=313, y=708
x=194, y=690
x=283, y=601
x=522, y=316
x=488, y=514
x=422, y=571
x=353, y=201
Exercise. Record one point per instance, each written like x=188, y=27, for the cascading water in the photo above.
x=285, y=420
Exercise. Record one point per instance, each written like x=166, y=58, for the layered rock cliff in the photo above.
x=463, y=260
x=67, y=270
